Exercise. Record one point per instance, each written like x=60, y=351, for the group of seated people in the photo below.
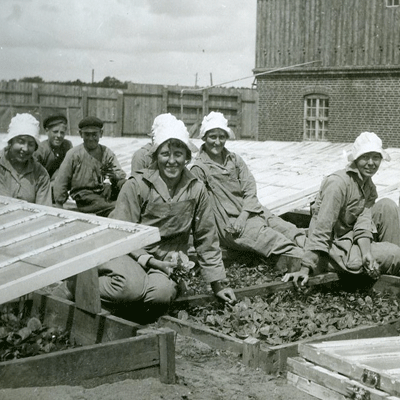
x=212, y=198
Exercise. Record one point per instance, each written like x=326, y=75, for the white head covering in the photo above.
x=367, y=142
x=169, y=127
x=160, y=120
x=23, y=124
x=215, y=120
x=172, y=129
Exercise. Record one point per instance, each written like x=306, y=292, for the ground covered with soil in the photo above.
x=202, y=374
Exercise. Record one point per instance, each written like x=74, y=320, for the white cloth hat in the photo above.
x=215, y=120
x=367, y=142
x=172, y=129
x=160, y=120
x=23, y=124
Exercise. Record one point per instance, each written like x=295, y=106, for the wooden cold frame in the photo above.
x=41, y=245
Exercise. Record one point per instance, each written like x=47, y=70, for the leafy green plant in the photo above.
x=24, y=337
x=289, y=316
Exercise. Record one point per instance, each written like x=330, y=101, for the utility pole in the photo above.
x=195, y=80
x=211, y=82
x=93, y=75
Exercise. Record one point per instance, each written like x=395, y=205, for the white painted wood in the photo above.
x=124, y=238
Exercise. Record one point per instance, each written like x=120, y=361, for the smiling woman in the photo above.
x=21, y=176
x=349, y=231
x=141, y=285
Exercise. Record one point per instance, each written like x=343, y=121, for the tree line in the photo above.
x=108, y=82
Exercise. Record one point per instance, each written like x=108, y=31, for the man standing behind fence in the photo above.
x=90, y=173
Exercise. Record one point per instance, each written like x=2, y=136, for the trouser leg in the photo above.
x=122, y=281
x=287, y=229
x=387, y=256
x=386, y=216
x=266, y=241
x=160, y=293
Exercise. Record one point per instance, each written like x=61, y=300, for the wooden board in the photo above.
x=373, y=363
x=41, y=245
x=271, y=359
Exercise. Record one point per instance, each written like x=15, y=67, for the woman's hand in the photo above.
x=370, y=265
x=240, y=222
x=107, y=191
x=224, y=293
x=165, y=266
x=300, y=278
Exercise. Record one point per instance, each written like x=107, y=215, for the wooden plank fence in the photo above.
x=130, y=112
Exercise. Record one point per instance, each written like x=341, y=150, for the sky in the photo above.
x=168, y=42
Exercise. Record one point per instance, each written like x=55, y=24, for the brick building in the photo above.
x=354, y=83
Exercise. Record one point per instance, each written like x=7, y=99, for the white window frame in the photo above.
x=316, y=117
x=392, y=3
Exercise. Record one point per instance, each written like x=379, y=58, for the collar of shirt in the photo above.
x=152, y=176
x=227, y=155
x=354, y=171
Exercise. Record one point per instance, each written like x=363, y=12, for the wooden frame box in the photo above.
x=112, y=349
x=272, y=359
x=357, y=369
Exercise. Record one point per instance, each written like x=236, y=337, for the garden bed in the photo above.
x=259, y=330
x=102, y=349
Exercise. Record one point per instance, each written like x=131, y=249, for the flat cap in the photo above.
x=54, y=119
x=90, y=122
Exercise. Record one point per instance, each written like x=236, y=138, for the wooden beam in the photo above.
x=271, y=287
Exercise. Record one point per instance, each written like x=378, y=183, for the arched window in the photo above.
x=316, y=111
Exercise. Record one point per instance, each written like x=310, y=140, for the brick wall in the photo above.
x=357, y=103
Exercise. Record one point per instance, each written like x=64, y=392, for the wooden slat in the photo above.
x=52, y=246
x=258, y=290
x=48, y=254
x=31, y=233
x=327, y=356
x=81, y=364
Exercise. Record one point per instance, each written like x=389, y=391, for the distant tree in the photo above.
x=33, y=79
x=111, y=82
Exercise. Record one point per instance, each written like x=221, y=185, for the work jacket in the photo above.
x=32, y=184
x=82, y=172
x=52, y=157
x=145, y=199
x=341, y=215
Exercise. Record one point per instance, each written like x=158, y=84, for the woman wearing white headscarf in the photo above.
x=169, y=197
x=349, y=232
x=242, y=222
x=22, y=177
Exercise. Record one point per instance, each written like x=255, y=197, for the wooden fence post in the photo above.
x=119, y=114
x=239, y=116
x=205, y=102
x=164, y=103
x=35, y=93
x=84, y=101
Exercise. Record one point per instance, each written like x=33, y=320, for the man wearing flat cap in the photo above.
x=52, y=151
x=90, y=172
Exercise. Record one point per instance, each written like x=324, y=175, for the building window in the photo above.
x=316, y=110
x=392, y=3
